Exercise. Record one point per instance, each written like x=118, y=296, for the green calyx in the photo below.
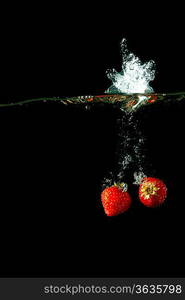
x=121, y=185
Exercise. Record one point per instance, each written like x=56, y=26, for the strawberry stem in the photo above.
x=121, y=185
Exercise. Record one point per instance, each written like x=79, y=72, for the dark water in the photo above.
x=53, y=161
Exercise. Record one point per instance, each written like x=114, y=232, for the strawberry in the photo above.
x=115, y=199
x=152, y=192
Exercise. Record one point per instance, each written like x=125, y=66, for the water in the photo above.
x=134, y=78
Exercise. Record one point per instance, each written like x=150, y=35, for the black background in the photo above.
x=54, y=158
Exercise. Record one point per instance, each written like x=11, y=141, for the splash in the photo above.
x=135, y=76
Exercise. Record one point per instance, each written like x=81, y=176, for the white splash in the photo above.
x=135, y=75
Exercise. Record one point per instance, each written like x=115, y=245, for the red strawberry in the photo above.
x=115, y=199
x=152, y=192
